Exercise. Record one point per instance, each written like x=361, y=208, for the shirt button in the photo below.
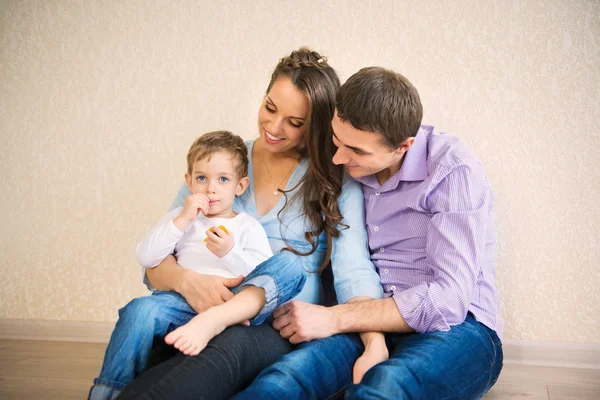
x=381, y=249
x=386, y=271
x=393, y=288
x=375, y=228
x=377, y=193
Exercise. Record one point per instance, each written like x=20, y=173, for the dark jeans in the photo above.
x=227, y=365
x=462, y=363
x=146, y=320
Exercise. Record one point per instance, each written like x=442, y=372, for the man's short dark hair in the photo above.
x=383, y=101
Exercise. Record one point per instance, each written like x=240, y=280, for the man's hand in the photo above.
x=192, y=207
x=302, y=322
x=220, y=242
x=205, y=291
x=375, y=352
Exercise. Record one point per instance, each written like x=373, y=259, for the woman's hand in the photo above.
x=205, y=291
x=200, y=291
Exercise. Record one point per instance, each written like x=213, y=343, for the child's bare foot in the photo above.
x=193, y=337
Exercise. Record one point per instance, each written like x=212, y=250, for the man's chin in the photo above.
x=356, y=172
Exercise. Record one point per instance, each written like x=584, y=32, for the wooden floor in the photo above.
x=62, y=370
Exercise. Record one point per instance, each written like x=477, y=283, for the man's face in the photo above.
x=362, y=152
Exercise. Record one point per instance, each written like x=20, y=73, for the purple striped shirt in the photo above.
x=431, y=235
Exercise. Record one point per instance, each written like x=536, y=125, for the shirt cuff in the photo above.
x=235, y=263
x=419, y=311
x=347, y=293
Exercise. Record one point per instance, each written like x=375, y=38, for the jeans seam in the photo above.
x=488, y=372
x=483, y=375
x=341, y=390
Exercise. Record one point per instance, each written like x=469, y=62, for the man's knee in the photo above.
x=387, y=381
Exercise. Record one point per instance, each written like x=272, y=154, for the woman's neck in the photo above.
x=271, y=157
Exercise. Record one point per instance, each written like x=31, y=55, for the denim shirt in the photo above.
x=354, y=273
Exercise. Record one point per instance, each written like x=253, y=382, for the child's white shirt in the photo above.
x=250, y=249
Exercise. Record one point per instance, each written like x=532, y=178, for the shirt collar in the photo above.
x=414, y=166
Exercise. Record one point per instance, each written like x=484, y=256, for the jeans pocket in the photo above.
x=492, y=335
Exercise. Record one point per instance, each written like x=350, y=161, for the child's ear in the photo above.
x=188, y=180
x=242, y=185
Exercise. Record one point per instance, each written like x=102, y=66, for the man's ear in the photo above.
x=242, y=185
x=404, y=146
x=188, y=180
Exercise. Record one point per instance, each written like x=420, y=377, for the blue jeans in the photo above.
x=462, y=363
x=147, y=320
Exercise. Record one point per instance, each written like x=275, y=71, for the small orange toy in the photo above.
x=220, y=226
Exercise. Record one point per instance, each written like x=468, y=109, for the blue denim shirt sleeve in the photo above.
x=179, y=199
x=354, y=273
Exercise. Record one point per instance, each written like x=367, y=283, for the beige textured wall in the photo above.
x=99, y=101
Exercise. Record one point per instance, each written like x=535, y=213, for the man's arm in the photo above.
x=301, y=322
x=372, y=315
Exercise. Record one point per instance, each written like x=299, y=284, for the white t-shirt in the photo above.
x=250, y=249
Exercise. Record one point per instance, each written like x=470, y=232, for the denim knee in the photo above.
x=138, y=312
x=384, y=382
x=281, y=276
x=292, y=268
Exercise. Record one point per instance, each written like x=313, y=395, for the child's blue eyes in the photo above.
x=222, y=179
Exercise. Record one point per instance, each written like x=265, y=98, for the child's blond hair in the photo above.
x=213, y=142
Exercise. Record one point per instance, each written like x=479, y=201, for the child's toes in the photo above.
x=172, y=337
x=184, y=346
x=180, y=342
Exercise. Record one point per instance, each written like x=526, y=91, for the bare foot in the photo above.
x=193, y=337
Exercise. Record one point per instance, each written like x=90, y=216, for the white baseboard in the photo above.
x=529, y=352
x=551, y=354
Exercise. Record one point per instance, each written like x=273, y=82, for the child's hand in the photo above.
x=193, y=206
x=221, y=243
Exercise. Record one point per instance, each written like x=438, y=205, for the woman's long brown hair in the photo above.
x=321, y=185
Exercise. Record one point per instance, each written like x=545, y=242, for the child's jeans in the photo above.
x=149, y=319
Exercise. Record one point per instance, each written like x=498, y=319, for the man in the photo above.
x=429, y=216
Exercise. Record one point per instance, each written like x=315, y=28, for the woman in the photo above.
x=299, y=197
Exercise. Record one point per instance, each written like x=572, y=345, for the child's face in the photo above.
x=215, y=177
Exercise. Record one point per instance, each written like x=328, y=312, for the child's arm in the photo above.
x=162, y=239
x=240, y=258
x=160, y=242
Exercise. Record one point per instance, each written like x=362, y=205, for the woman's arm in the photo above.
x=200, y=291
x=354, y=273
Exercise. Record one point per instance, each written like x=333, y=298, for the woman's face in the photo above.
x=282, y=118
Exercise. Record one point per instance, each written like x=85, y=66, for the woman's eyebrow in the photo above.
x=269, y=100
